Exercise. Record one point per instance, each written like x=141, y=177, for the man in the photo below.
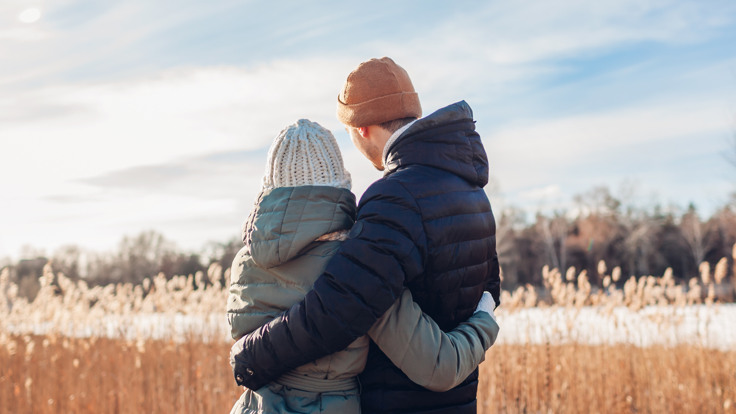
x=426, y=225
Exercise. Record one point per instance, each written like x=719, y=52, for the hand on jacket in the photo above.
x=244, y=376
x=487, y=304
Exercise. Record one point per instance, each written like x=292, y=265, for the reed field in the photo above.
x=646, y=344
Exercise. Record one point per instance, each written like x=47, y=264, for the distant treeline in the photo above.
x=640, y=241
x=136, y=258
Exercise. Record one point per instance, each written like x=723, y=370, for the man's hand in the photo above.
x=244, y=375
x=486, y=304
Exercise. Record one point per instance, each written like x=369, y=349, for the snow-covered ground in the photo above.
x=175, y=326
x=708, y=326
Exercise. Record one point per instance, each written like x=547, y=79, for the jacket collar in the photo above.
x=445, y=139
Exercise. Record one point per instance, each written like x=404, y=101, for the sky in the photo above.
x=118, y=117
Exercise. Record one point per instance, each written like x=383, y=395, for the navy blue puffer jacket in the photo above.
x=426, y=225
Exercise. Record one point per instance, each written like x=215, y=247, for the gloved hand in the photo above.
x=242, y=371
x=486, y=304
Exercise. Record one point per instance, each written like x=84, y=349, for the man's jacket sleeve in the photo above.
x=384, y=250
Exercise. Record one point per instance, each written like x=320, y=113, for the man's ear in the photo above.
x=363, y=131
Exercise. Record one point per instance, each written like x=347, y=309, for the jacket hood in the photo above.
x=445, y=139
x=286, y=220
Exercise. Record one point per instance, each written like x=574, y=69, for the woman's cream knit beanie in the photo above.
x=305, y=153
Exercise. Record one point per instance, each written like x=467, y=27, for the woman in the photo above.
x=303, y=212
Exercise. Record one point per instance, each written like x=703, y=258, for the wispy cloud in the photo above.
x=156, y=113
x=175, y=114
x=219, y=175
x=501, y=44
x=599, y=147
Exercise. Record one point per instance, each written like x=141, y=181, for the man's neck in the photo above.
x=393, y=138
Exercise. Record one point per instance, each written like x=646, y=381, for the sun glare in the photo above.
x=30, y=15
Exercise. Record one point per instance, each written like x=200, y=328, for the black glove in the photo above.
x=243, y=372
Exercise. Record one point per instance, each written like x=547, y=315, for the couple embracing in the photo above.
x=386, y=307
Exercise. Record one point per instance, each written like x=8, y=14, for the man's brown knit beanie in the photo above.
x=377, y=91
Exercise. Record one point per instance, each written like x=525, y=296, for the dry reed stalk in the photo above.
x=616, y=274
x=59, y=374
x=115, y=376
x=620, y=378
x=733, y=261
x=705, y=272
x=721, y=270
x=547, y=403
x=602, y=268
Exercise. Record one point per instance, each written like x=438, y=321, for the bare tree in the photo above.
x=66, y=260
x=142, y=255
x=638, y=238
x=692, y=231
x=509, y=257
x=554, y=232
x=599, y=200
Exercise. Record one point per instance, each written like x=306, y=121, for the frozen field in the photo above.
x=711, y=326
x=708, y=326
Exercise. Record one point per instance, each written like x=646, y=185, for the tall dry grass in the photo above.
x=189, y=372
x=606, y=379
x=53, y=374
x=100, y=375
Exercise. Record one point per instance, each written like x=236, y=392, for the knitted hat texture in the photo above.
x=377, y=91
x=305, y=153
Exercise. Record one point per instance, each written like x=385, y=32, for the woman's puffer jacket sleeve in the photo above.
x=412, y=340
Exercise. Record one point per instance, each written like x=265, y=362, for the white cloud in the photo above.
x=89, y=102
x=542, y=193
x=494, y=49
x=61, y=134
x=178, y=113
x=548, y=147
